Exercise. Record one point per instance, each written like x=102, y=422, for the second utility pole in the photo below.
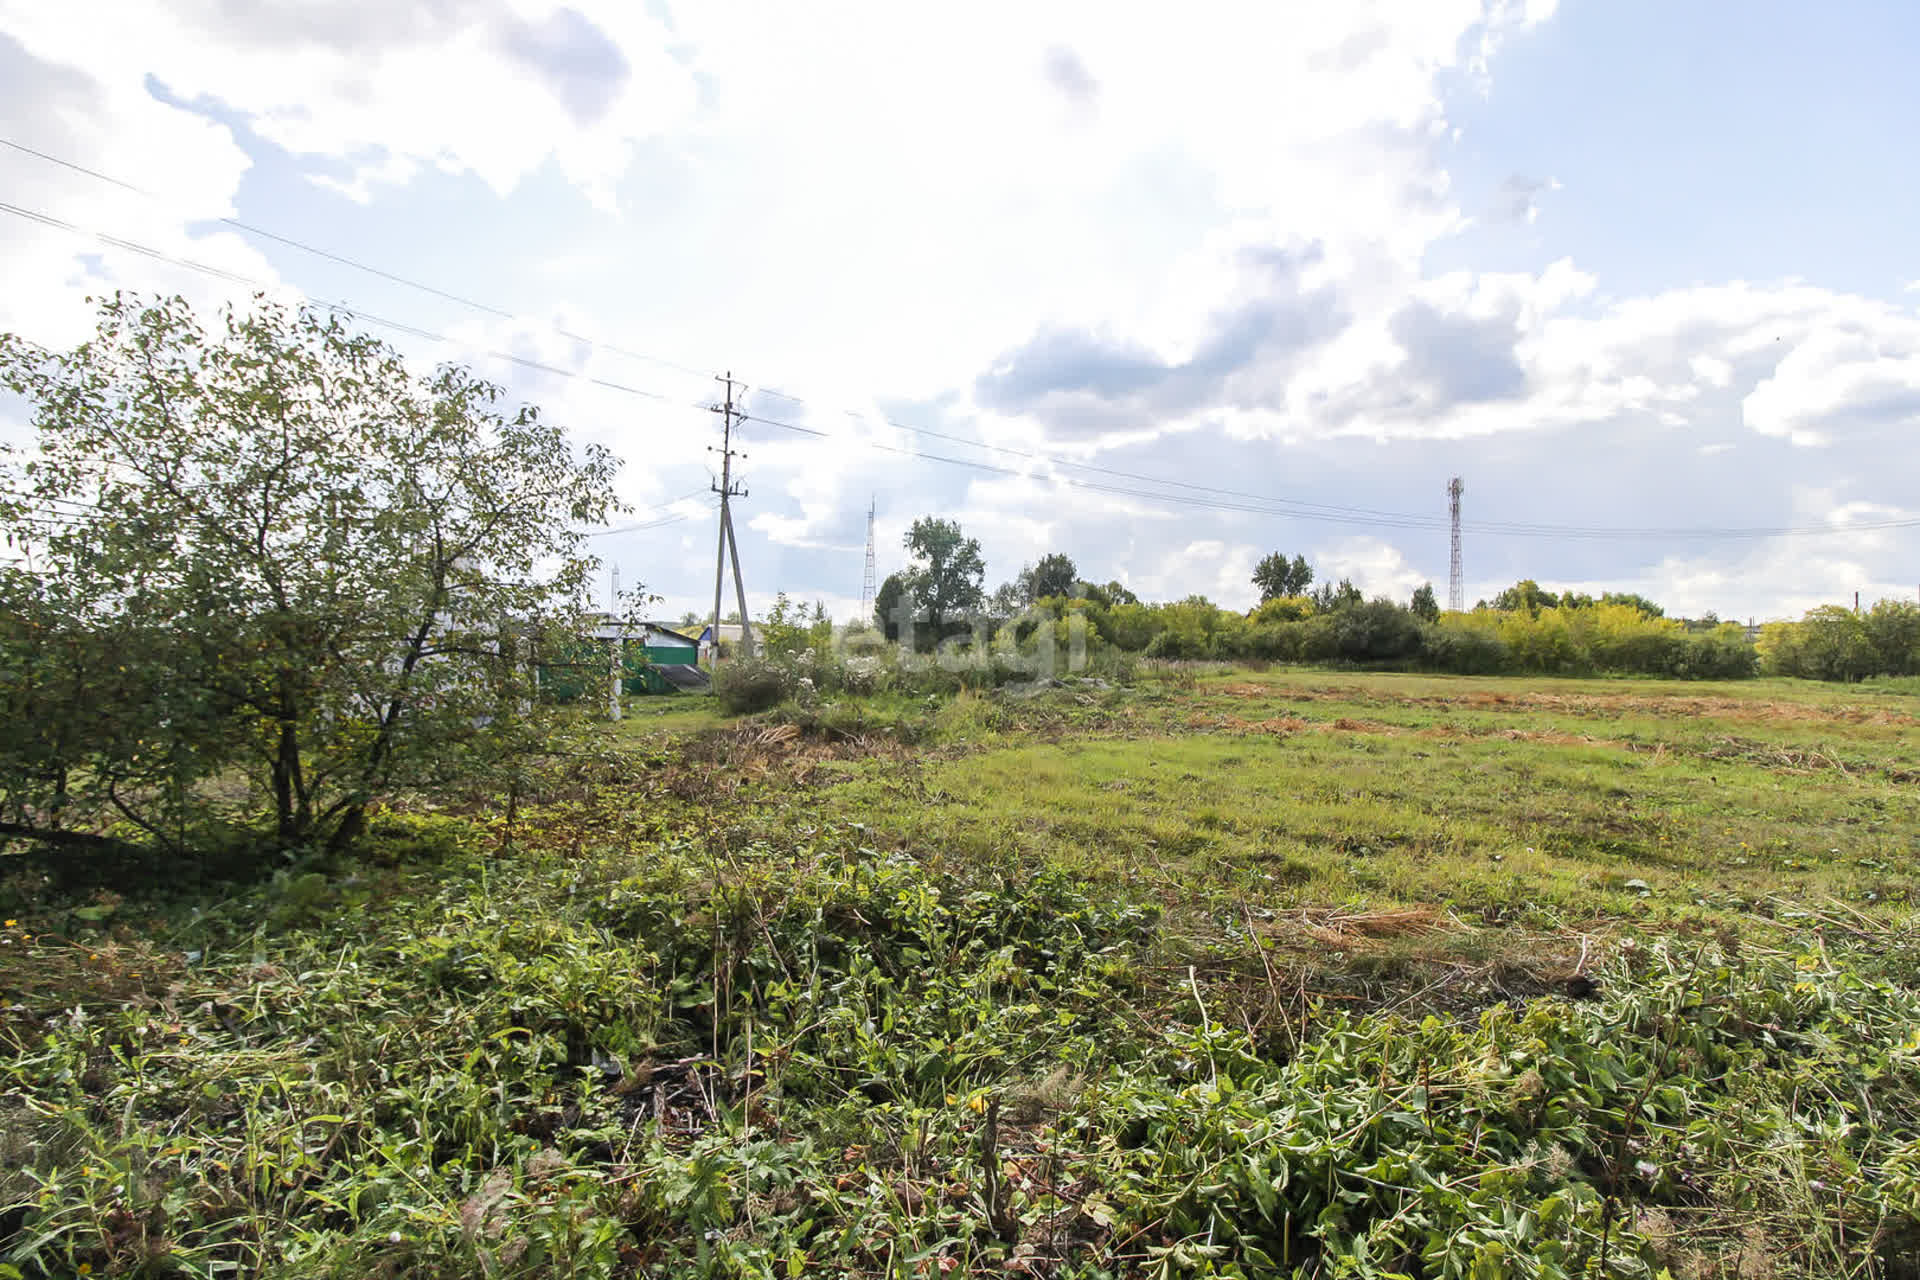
x=727, y=491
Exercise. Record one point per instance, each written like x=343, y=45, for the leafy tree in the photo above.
x=1054, y=575
x=947, y=571
x=1424, y=606
x=888, y=601
x=312, y=568
x=1829, y=643
x=1524, y=596
x=1283, y=609
x=1893, y=628
x=1640, y=602
x=1275, y=575
x=1330, y=598
x=787, y=626
x=1374, y=631
x=1112, y=593
x=1008, y=599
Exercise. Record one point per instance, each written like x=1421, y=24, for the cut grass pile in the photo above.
x=918, y=990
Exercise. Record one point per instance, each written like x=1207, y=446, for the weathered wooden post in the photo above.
x=614, y=671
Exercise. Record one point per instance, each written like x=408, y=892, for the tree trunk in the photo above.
x=67, y=839
x=288, y=803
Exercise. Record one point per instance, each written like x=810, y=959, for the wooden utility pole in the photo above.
x=728, y=491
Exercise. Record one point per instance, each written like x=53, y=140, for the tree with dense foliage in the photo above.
x=887, y=604
x=1053, y=575
x=1893, y=629
x=947, y=572
x=265, y=549
x=1331, y=597
x=1833, y=642
x=1425, y=607
x=790, y=626
x=1275, y=575
x=1635, y=600
x=1007, y=601
x=1525, y=596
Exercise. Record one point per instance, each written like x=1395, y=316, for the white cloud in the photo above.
x=1190, y=238
x=1219, y=570
x=1374, y=565
x=1835, y=382
x=382, y=90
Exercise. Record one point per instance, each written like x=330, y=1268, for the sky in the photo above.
x=1161, y=289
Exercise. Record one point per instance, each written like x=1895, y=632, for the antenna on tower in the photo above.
x=867, y=587
x=1456, y=580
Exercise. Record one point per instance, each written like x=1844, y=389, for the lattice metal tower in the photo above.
x=1456, y=581
x=868, y=586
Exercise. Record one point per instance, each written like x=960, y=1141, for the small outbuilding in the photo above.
x=654, y=658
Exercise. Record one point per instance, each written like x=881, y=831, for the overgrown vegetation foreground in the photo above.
x=833, y=990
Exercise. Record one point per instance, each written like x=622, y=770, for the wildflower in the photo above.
x=86, y=1268
x=12, y=923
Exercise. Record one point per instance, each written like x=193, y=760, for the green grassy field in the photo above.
x=1547, y=805
x=1222, y=972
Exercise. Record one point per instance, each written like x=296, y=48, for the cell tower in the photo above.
x=1456, y=581
x=867, y=585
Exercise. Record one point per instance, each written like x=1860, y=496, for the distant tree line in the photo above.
x=1836, y=643
x=1525, y=628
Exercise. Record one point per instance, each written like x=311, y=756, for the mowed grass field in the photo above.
x=1518, y=805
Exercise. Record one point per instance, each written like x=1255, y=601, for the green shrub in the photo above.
x=747, y=685
x=1720, y=655
x=1467, y=651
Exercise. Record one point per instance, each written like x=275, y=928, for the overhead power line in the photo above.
x=1216, y=497
x=355, y=264
x=347, y=308
x=1303, y=507
x=1283, y=508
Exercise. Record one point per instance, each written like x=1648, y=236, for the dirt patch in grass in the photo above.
x=789, y=743
x=1678, y=705
x=1638, y=702
x=1805, y=761
x=1424, y=958
x=1255, y=691
x=1350, y=724
x=1234, y=724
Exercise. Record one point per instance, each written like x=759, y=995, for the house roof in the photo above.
x=604, y=627
x=683, y=676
